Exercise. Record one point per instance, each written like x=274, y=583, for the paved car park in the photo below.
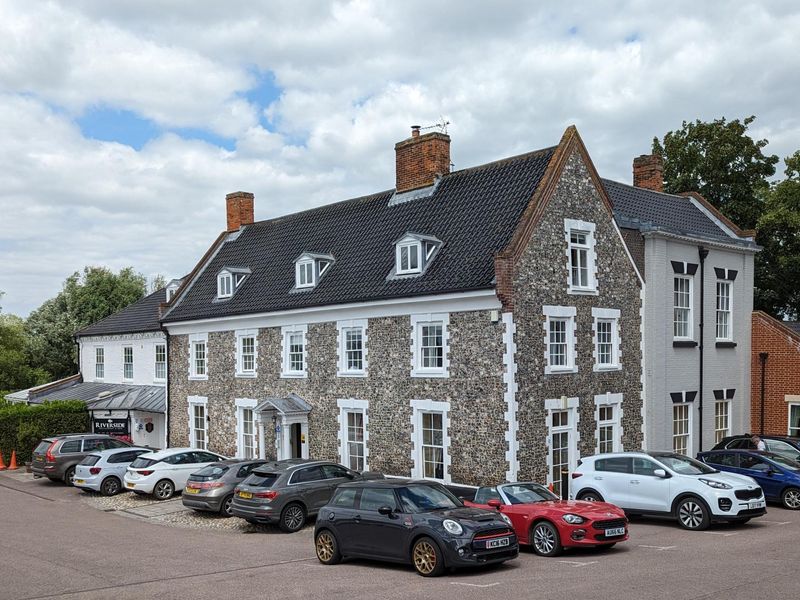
x=56, y=544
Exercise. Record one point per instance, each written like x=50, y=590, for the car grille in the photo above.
x=748, y=494
x=611, y=524
x=492, y=533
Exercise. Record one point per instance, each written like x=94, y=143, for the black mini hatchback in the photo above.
x=417, y=522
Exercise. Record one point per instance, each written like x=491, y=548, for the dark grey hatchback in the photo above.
x=287, y=492
x=211, y=488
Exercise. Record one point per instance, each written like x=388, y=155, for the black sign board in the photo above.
x=111, y=426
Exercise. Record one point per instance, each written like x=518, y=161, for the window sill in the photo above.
x=296, y=375
x=439, y=374
x=684, y=343
x=159, y=381
x=725, y=344
x=560, y=371
x=606, y=368
x=351, y=373
x=198, y=377
x=245, y=375
x=583, y=291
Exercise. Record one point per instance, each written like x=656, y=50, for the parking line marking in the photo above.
x=477, y=585
x=575, y=563
x=774, y=522
x=657, y=547
x=722, y=533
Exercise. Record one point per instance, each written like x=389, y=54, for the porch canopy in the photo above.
x=290, y=406
x=289, y=431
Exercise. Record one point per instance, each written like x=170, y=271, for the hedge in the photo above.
x=23, y=426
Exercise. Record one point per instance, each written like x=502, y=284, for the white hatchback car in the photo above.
x=670, y=485
x=103, y=471
x=162, y=473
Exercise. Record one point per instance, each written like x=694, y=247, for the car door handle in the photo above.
x=598, y=479
x=635, y=481
x=357, y=519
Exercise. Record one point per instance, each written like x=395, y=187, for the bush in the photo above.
x=22, y=426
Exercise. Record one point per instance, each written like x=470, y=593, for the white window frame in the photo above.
x=156, y=362
x=606, y=315
x=99, y=353
x=573, y=453
x=688, y=434
x=346, y=407
x=729, y=312
x=342, y=327
x=568, y=314
x=242, y=404
x=722, y=432
x=241, y=335
x=587, y=228
x=286, y=370
x=194, y=340
x=615, y=402
x=792, y=431
x=417, y=322
x=224, y=284
x=300, y=268
x=408, y=244
x=418, y=408
x=690, y=308
x=125, y=363
x=192, y=402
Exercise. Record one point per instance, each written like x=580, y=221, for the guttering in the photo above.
x=166, y=386
x=702, y=251
x=689, y=239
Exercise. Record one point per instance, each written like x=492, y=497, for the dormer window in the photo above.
x=408, y=258
x=309, y=269
x=414, y=253
x=229, y=280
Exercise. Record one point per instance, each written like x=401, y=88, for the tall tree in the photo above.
x=722, y=162
x=85, y=298
x=15, y=373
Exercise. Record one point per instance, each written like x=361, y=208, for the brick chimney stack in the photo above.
x=239, y=209
x=420, y=158
x=648, y=172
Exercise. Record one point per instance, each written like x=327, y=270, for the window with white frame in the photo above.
x=608, y=415
x=198, y=422
x=246, y=429
x=408, y=257
x=352, y=347
x=724, y=310
x=198, y=356
x=682, y=307
x=127, y=362
x=246, y=353
x=431, y=440
x=304, y=272
x=294, y=351
x=722, y=424
x=224, y=285
x=160, y=367
x=606, y=339
x=353, y=433
x=414, y=253
x=99, y=362
x=562, y=439
x=794, y=420
x=430, y=345
x=681, y=428
x=559, y=339
x=580, y=256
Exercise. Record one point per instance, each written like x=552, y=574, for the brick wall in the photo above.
x=420, y=158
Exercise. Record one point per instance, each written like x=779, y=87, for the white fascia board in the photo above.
x=443, y=303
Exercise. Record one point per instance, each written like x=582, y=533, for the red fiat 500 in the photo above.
x=549, y=524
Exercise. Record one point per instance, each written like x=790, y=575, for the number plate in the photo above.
x=615, y=531
x=759, y=504
x=498, y=543
x=130, y=485
x=192, y=491
x=245, y=495
x=78, y=481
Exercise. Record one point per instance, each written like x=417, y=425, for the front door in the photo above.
x=295, y=445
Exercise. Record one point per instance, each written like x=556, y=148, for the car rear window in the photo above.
x=210, y=472
x=264, y=480
x=90, y=460
x=42, y=447
x=141, y=463
x=70, y=447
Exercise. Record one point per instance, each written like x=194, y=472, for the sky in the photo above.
x=124, y=124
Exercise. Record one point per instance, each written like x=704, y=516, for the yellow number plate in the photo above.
x=246, y=495
x=79, y=481
x=192, y=491
x=130, y=485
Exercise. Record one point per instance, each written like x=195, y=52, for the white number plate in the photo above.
x=759, y=504
x=497, y=543
x=615, y=531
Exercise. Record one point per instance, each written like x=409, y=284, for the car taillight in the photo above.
x=48, y=456
x=145, y=472
x=94, y=470
x=206, y=485
x=269, y=494
x=576, y=475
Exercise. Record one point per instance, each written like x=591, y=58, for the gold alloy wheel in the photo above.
x=325, y=546
x=424, y=557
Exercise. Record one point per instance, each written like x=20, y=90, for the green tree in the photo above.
x=722, y=162
x=15, y=372
x=85, y=299
x=778, y=264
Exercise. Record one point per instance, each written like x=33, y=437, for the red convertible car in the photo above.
x=550, y=524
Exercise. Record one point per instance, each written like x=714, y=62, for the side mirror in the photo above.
x=660, y=473
x=494, y=503
x=386, y=511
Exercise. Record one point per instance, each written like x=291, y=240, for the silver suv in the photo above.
x=287, y=492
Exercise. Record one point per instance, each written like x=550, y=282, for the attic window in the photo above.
x=408, y=258
x=304, y=270
x=309, y=269
x=414, y=253
x=229, y=280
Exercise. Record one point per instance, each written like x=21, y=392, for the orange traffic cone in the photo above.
x=550, y=487
x=12, y=466
x=2, y=463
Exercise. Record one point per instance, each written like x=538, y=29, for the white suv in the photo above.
x=668, y=484
x=165, y=472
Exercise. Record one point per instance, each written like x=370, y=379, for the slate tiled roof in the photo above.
x=474, y=212
x=147, y=398
x=138, y=317
x=643, y=209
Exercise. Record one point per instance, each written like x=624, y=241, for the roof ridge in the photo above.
x=644, y=189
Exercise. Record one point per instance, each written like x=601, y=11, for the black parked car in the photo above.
x=415, y=522
x=779, y=444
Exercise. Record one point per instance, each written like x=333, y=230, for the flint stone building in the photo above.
x=471, y=327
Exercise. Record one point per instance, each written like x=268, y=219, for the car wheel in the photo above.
x=544, y=539
x=293, y=517
x=427, y=558
x=226, y=507
x=164, y=490
x=693, y=514
x=69, y=476
x=791, y=498
x=590, y=496
x=111, y=486
x=327, y=548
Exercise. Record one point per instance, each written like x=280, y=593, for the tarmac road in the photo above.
x=54, y=545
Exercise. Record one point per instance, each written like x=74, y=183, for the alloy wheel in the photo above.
x=293, y=518
x=424, y=557
x=791, y=498
x=691, y=514
x=163, y=490
x=543, y=539
x=325, y=547
x=227, y=506
x=110, y=486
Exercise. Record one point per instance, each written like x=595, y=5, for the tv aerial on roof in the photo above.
x=441, y=125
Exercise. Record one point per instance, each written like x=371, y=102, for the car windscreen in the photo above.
x=684, y=465
x=90, y=460
x=422, y=498
x=262, y=480
x=42, y=447
x=141, y=463
x=210, y=473
x=523, y=493
x=786, y=463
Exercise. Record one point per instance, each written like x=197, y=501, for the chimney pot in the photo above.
x=648, y=172
x=239, y=209
x=415, y=130
x=420, y=159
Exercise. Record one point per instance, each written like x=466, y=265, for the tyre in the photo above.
x=69, y=476
x=590, y=496
x=139, y=493
x=692, y=514
x=790, y=498
x=327, y=548
x=111, y=486
x=544, y=539
x=427, y=558
x=293, y=517
x=164, y=490
x=225, y=507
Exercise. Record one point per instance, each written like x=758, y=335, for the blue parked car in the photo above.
x=777, y=475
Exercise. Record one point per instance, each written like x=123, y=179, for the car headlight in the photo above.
x=453, y=527
x=716, y=484
x=573, y=519
x=505, y=518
